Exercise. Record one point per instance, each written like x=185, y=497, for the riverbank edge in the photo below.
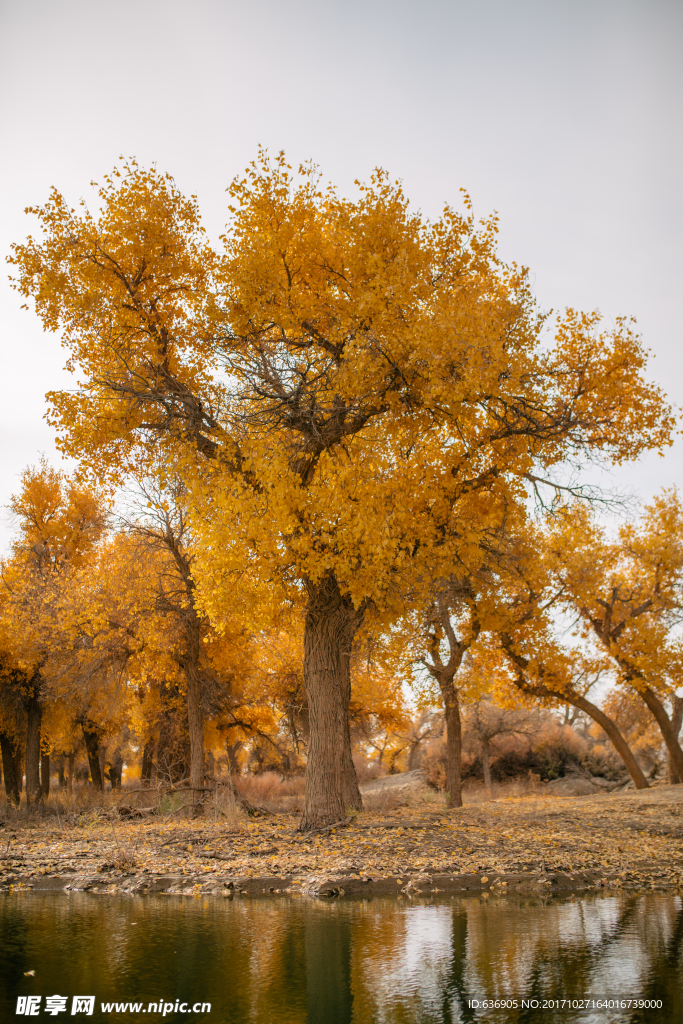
x=334, y=886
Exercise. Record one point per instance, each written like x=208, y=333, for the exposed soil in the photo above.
x=632, y=841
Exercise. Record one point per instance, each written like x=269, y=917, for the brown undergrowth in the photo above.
x=630, y=840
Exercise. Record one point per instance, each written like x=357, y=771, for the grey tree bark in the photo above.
x=195, y=720
x=147, y=761
x=440, y=629
x=665, y=727
x=604, y=721
x=9, y=769
x=451, y=706
x=486, y=762
x=92, y=746
x=331, y=624
x=45, y=775
x=70, y=773
x=34, y=718
x=675, y=778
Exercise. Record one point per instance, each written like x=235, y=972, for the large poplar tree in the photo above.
x=350, y=387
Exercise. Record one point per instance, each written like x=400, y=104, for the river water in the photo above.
x=300, y=960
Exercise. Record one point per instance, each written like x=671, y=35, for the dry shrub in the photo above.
x=223, y=805
x=125, y=861
x=366, y=770
x=382, y=801
x=475, y=792
x=274, y=792
x=560, y=750
x=553, y=751
x=434, y=764
x=84, y=800
x=425, y=797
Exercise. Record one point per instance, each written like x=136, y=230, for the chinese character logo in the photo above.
x=28, y=1006
x=83, y=1004
x=55, y=1004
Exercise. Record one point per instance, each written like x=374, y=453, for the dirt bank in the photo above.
x=632, y=841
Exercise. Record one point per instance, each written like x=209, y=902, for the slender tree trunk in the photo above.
x=116, y=770
x=34, y=714
x=330, y=627
x=195, y=720
x=9, y=769
x=18, y=767
x=70, y=773
x=45, y=775
x=618, y=741
x=414, y=756
x=147, y=761
x=666, y=728
x=603, y=720
x=675, y=778
x=352, y=797
x=92, y=746
x=60, y=772
x=451, y=706
x=190, y=663
x=486, y=763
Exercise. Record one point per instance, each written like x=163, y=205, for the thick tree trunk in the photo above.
x=173, y=741
x=451, y=706
x=195, y=721
x=34, y=714
x=92, y=746
x=18, y=767
x=70, y=773
x=486, y=762
x=665, y=726
x=675, y=778
x=351, y=792
x=102, y=755
x=190, y=663
x=60, y=772
x=9, y=769
x=330, y=627
x=147, y=761
x=45, y=775
x=414, y=756
x=116, y=769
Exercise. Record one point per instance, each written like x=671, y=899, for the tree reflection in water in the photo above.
x=380, y=961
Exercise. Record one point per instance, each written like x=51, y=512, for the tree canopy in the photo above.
x=355, y=396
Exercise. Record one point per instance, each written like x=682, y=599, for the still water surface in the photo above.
x=377, y=961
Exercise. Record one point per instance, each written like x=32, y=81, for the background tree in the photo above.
x=629, y=598
x=453, y=621
x=163, y=528
x=12, y=727
x=59, y=524
x=520, y=628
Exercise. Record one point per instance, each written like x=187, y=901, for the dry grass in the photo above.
x=630, y=840
x=268, y=791
x=275, y=793
x=514, y=789
x=88, y=804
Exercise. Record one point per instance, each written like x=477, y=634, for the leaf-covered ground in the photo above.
x=633, y=841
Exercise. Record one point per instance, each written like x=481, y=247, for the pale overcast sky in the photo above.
x=563, y=115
